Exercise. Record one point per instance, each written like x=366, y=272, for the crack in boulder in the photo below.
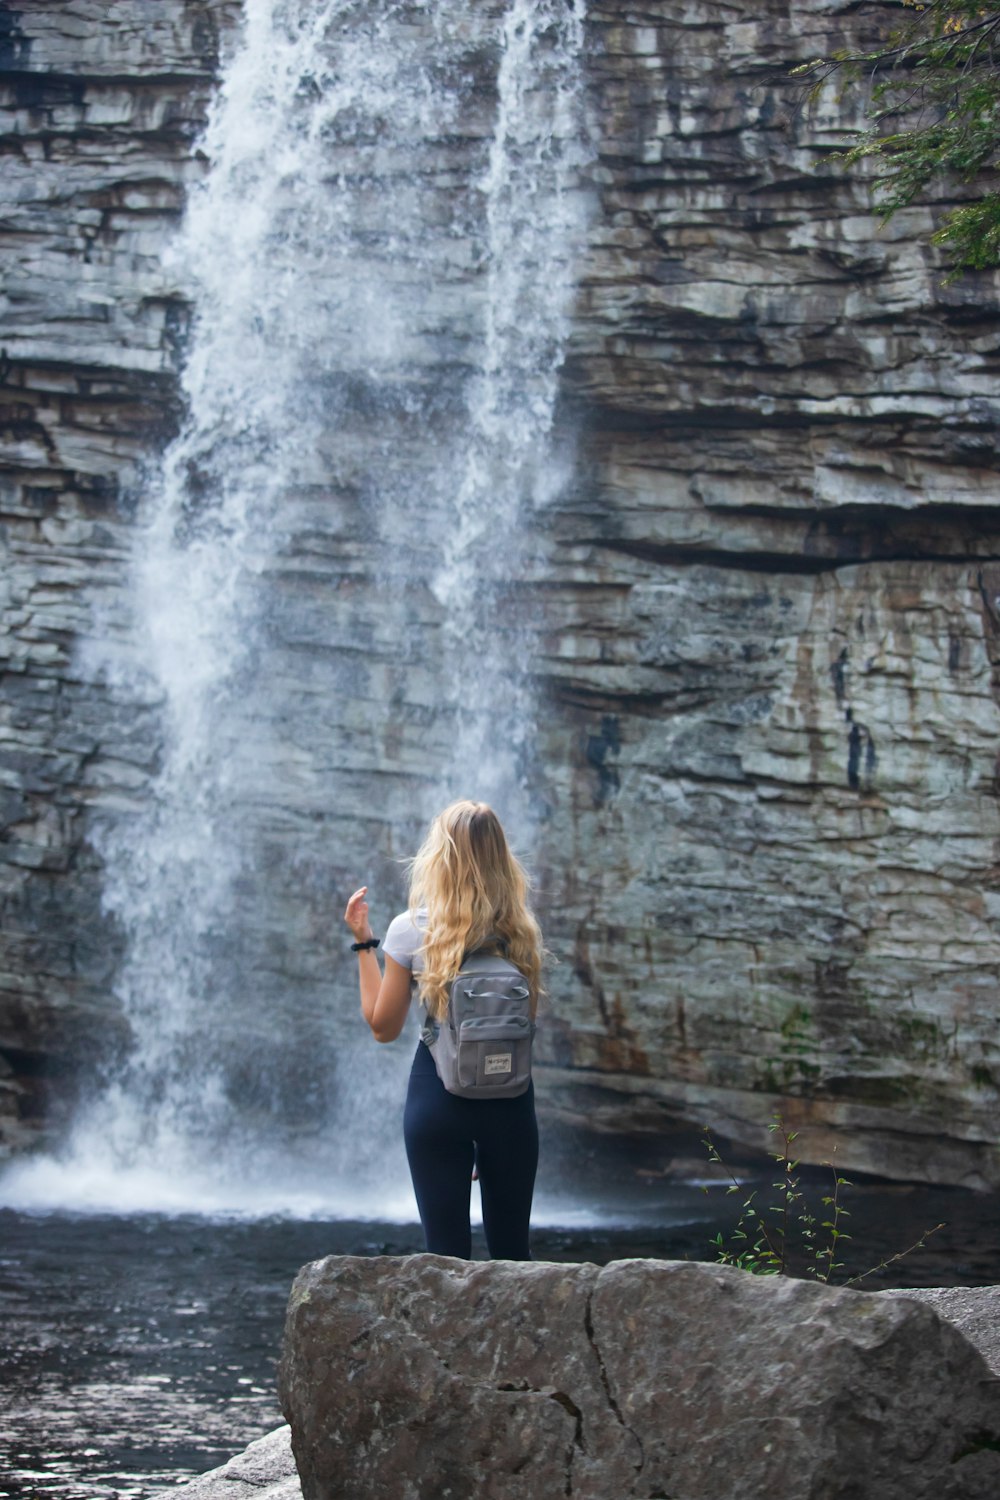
x=588, y=1324
x=914, y=1408
x=568, y=1405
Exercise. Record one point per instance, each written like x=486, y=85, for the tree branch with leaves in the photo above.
x=934, y=109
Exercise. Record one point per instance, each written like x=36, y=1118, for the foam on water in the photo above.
x=90, y=1189
x=82, y=1186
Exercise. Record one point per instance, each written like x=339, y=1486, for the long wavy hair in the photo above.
x=473, y=889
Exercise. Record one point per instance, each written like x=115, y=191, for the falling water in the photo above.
x=328, y=577
x=508, y=469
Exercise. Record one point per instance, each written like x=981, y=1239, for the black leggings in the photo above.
x=445, y=1136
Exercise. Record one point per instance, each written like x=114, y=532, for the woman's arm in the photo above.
x=384, y=1000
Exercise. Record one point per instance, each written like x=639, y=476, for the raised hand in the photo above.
x=356, y=916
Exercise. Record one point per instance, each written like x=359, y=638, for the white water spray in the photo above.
x=533, y=227
x=379, y=314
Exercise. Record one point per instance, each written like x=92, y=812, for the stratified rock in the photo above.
x=427, y=1377
x=764, y=610
x=772, y=629
x=102, y=106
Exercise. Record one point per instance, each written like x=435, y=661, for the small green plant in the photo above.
x=783, y=1236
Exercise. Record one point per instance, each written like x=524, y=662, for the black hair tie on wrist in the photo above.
x=360, y=947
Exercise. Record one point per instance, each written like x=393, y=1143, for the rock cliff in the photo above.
x=783, y=671
x=101, y=108
x=765, y=606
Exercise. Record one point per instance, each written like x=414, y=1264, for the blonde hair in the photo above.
x=473, y=889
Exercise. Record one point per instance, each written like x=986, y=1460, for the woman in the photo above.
x=467, y=893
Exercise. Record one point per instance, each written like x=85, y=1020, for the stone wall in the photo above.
x=767, y=603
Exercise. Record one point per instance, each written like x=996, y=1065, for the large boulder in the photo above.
x=429, y=1377
x=266, y=1469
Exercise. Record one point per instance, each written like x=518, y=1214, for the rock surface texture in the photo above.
x=101, y=107
x=266, y=1470
x=426, y=1377
x=765, y=614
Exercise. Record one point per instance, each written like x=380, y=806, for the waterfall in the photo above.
x=508, y=469
x=328, y=583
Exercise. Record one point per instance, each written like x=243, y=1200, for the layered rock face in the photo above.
x=763, y=609
x=784, y=671
x=639, y=1378
x=102, y=106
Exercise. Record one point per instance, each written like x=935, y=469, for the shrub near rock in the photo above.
x=426, y=1378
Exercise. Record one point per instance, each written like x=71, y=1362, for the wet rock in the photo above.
x=102, y=109
x=426, y=1376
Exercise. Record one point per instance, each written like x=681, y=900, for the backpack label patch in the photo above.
x=498, y=1062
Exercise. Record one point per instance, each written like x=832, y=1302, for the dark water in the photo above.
x=138, y=1351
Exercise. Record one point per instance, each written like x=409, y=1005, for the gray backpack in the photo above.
x=482, y=1048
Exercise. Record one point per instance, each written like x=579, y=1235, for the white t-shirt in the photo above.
x=403, y=938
